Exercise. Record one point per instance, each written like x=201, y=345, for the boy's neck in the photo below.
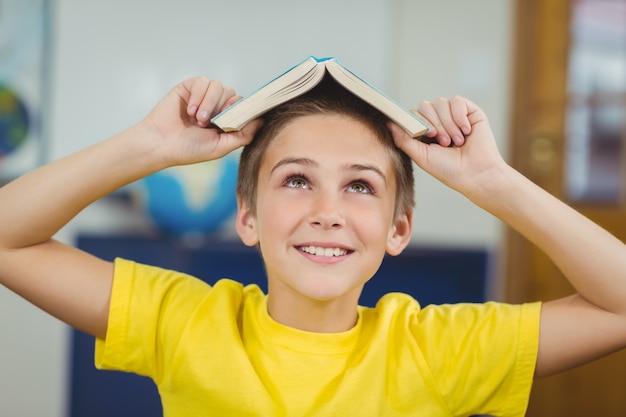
x=333, y=316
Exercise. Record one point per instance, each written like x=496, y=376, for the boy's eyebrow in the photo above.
x=367, y=167
x=297, y=161
x=349, y=167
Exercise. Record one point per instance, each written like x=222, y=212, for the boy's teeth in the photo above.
x=319, y=251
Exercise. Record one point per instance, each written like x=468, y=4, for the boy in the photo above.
x=323, y=193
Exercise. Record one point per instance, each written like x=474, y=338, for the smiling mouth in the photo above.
x=320, y=251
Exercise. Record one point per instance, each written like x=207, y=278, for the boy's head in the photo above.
x=328, y=97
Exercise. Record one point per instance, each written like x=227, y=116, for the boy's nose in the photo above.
x=326, y=211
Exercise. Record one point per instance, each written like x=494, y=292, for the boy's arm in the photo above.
x=575, y=329
x=66, y=282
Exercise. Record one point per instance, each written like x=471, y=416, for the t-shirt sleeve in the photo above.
x=482, y=356
x=141, y=298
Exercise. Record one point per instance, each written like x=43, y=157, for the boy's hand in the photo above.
x=465, y=153
x=180, y=126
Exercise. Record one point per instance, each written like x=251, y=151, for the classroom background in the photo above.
x=109, y=62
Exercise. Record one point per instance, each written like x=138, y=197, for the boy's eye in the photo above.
x=360, y=187
x=296, y=182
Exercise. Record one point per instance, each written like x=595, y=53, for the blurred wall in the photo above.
x=443, y=48
x=113, y=60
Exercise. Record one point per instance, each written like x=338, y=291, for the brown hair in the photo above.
x=328, y=97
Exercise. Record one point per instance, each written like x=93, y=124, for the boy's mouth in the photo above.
x=320, y=251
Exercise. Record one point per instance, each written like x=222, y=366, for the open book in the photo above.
x=302, y=78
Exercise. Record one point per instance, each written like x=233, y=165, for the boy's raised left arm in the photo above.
x=574, y=330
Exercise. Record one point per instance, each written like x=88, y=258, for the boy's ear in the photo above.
x=245, y=224
x=400, y=234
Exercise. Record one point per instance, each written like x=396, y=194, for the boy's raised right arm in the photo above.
x=66, y=282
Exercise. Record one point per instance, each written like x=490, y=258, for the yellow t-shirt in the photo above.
x=214, y=350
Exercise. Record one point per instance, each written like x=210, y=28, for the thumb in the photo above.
x=414, y=148
x=229, y=141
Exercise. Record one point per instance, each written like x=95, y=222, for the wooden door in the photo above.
x=569, y=136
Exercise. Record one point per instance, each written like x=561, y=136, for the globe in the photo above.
x=13, y=121
x=192, y=199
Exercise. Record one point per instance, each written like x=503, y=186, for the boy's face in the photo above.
x=325, y=210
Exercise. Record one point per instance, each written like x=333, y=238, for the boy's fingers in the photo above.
x=197, y=89
x=227, y=94
x=206, y=97
x=210, y=102
x=430, y=112
x=445, y=111
x=461, y=108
